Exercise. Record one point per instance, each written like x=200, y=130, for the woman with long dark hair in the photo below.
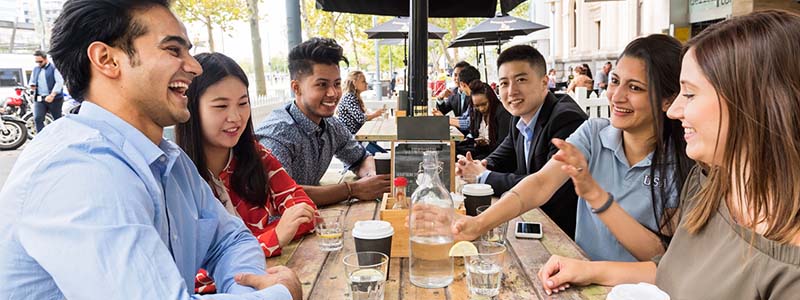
x=247, y=179
x=489, y=121
x=739, y=232
x=627, y=171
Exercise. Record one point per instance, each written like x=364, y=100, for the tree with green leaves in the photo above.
x=211, y=13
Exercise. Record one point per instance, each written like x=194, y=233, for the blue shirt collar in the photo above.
x=302, y=121
x=611, y=138
x=521, y=123
x=129, y=136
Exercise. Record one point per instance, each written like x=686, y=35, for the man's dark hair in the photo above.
x=608, y=63
x=83, y=22
x=462, y=64
x=524, y=53
x=304, y=56
x=40, y=53
x=468, y=75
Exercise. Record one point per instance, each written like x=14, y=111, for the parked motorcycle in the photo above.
x=13, y=132
x=21, y=106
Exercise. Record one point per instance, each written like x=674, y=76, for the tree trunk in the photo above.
x=258, y=59
x=447, y=57
x=355, y=47
x=454, y=34
x=210, y=34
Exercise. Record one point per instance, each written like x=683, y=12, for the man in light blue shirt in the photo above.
x=100, y=206
x=46, y=80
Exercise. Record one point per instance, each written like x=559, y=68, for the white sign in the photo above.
x=706, y=10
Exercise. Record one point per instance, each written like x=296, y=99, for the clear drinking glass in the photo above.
x=329, y=226
x=497, y=234
x=366, y=274
x=485, y=270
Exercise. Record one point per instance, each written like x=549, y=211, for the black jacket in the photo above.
x=453, y=103
x=558, y=119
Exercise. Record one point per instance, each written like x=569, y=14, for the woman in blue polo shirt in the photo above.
x=626, y=170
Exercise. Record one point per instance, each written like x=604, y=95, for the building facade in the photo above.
x=597, y=31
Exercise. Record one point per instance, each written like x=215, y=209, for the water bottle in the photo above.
x=430, y=221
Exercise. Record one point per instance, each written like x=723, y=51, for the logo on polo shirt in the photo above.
x=655, y=181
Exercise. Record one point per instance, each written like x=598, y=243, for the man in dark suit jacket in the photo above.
x=539, y=116
x=455, y=100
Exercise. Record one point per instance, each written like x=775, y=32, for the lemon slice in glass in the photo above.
x=463, y=248
x=334, y=235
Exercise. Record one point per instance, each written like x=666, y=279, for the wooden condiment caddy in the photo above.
x=397, y=217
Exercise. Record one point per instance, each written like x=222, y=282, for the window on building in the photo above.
x=599, y=37
x=574, y=17
x=639, y=18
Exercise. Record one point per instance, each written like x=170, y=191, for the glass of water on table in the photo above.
x=497, y=234
x=366, y=274
x=329, y=225
x=485, y=270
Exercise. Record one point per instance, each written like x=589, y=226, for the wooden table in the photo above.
x=379, y=130
x=322, y=273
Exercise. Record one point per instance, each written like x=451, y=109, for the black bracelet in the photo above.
x=605, y=205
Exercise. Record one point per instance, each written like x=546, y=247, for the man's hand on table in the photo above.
x=371, y=187
x=275, y=275
x=469, y=169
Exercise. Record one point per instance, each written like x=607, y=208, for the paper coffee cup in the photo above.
x=373, y=235
x=636, y=291
x=383, y=163
x=475, y=195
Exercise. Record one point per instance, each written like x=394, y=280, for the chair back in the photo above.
x=594, y=107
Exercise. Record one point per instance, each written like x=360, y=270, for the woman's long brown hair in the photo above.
x=752, y=63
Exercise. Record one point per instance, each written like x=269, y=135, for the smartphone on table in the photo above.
x=528, y=230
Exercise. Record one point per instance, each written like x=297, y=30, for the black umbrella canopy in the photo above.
x=436, y=8
x=475, y=42
x=390, y=42
x=397, y=28
x=500, y=28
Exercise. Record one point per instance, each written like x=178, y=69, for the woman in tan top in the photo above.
x=739, y=233
x=582, y=80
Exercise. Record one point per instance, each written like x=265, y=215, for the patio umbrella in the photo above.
x=436, y=8
x=390, y=42
x=419, y=10
x=499, y=29
x=397, y=28
x=477, y=43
